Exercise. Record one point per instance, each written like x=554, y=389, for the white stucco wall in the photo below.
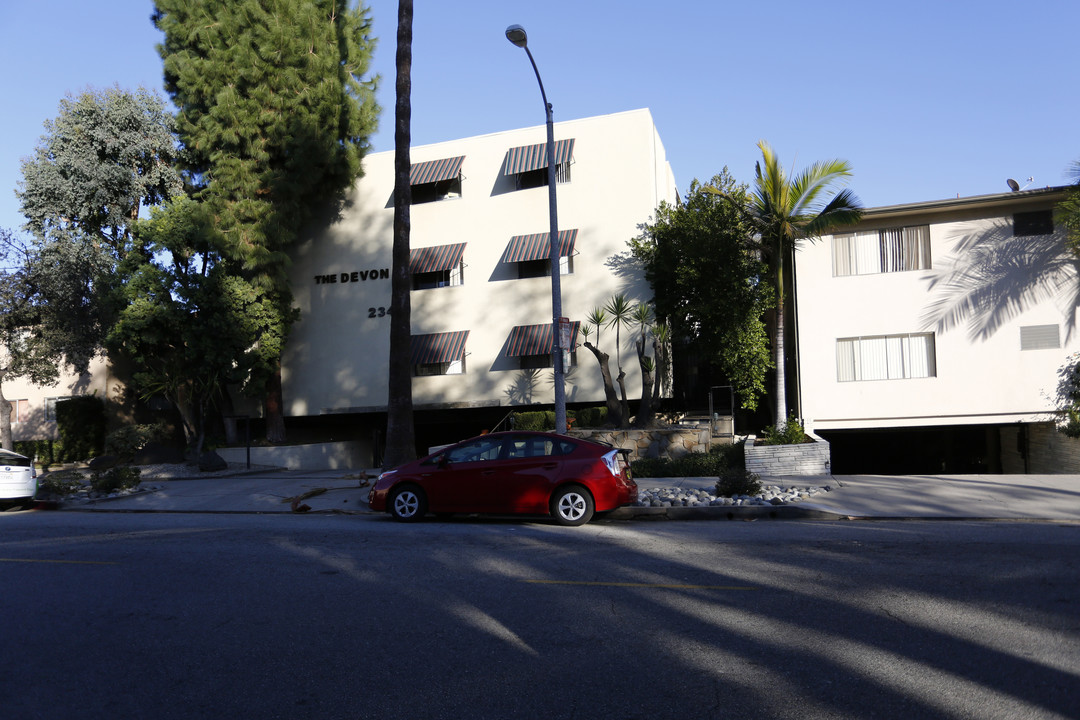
x=982, y=374
x=337, y=355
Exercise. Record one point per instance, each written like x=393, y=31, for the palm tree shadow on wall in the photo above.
x=992, y=277
x=522, y=389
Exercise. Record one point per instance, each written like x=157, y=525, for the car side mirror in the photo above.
x=443, y=463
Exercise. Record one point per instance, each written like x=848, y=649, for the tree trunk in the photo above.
x=645, y=410
x=781, y=375
x=5, y=422
x=400, y=434
x=274, y=407
x=614, y=409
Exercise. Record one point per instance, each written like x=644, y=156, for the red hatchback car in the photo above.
x=530, y=473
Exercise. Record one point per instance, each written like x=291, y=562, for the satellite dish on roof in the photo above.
x=1015, y=186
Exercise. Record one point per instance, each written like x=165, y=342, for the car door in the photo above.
x=463, y=478
x=528, y=472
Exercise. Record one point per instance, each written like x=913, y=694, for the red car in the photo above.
x=530, y=473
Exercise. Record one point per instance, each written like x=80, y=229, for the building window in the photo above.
x=436, y=180
x=532, y=253
x=437, y=266
x=433, y=192
x=451, y=367
x=1040, y=337
x=50, y=407
x=886, y=357
x=1039, y=222
x=438, y=353
x=542, y=268
x=539, y=362
x=440, y=278
x=20, y=411
x=528, y=164
x=882, y=251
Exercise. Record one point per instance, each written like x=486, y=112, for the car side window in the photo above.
x=479, y=450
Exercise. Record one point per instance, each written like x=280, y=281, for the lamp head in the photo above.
x=516, y=35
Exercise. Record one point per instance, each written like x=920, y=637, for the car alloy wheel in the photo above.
x=572, y=505
x=408, y=504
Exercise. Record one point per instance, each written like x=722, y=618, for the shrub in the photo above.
x=537, y=420
x=64, y=482
x=115, y=479
x=42, y=450
x=80, y=426
x=716, y=462
x=593, y=417
x=738, y=482
x=127, y=440
x=791, y=434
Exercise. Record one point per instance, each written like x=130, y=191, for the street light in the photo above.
x=516, y=35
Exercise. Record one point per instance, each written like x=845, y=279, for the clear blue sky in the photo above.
x=926, y=99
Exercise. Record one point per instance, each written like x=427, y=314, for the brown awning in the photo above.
x=435, y=170
x=533, y=157
x=523, y=248
x=438, y=347
x=435, y=259
x=535, y=340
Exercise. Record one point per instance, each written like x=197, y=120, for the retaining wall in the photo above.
x=651, y=443
x=779, y=460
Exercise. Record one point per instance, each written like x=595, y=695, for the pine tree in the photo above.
x=275, y=112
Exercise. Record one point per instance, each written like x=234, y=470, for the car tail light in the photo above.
x=615, y=461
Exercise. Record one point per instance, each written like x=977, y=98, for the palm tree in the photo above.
x=788, y=211
x=400, y=432
x=620, y=312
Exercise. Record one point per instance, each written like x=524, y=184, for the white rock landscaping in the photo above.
x=706, y=497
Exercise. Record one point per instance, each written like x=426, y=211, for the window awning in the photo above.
x=435, y=170
x=533, y=157
x=437, y=347
x=523, y=248
x=535, y=340
x=435, y=259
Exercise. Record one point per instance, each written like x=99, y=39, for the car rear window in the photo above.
x=15, y=460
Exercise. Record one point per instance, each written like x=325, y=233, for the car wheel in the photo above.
x=408, y=504
x=572, y=505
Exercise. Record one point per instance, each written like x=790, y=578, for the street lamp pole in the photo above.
x=516, y=35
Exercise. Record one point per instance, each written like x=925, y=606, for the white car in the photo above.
x=18, y=476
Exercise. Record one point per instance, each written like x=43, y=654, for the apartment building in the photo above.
x=481, y=298
x=931, y=335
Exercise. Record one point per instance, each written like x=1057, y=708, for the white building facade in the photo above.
x=950, y=313
x=481, y=299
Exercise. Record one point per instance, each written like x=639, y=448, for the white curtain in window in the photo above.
x=917, y=248
x=843, y=255
x=919, y=352
x=867, y=253
x=846, y=360
x=873, y=359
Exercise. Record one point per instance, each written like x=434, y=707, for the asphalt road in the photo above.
x=123, y=615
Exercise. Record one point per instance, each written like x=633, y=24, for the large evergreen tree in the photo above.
x=275, y=112
x=709, y=281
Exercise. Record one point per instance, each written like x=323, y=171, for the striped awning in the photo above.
x=535, y=340
x=438, y=347
x=533, y=157
x=435, y=259
x=523, y=248
x=435, y=170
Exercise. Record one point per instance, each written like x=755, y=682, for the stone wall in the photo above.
x=780, y=460
x=658, y=442
x=1048, y=451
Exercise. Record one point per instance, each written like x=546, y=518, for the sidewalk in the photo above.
x=1015, y=497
